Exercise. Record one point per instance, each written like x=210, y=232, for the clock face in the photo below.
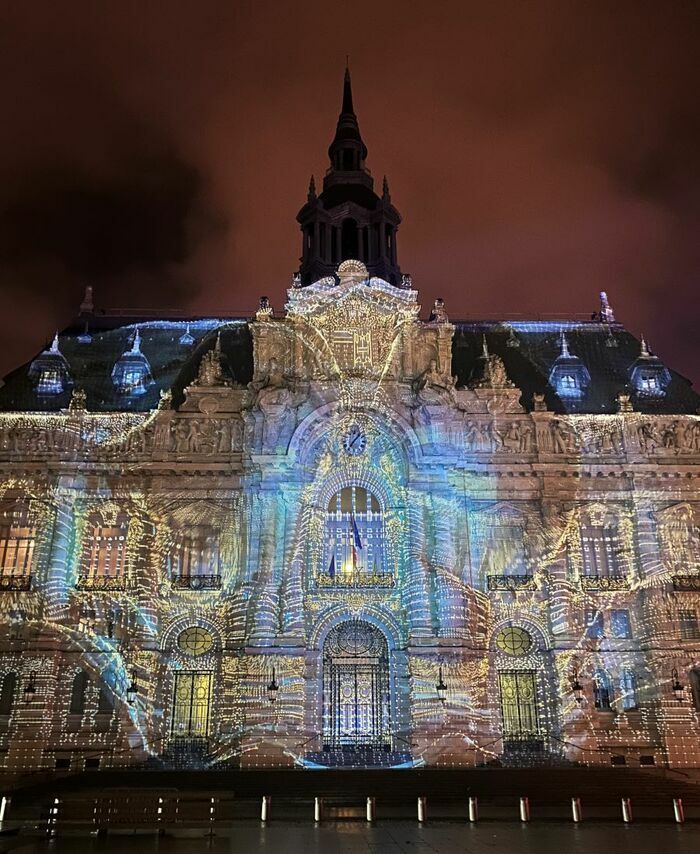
x=354, y=440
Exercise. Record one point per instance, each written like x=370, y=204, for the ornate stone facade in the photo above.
x=343, y=535
x=576, y=533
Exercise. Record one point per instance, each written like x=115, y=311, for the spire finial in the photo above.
x=54, y=345
x=312, y=189
x=385, y=190
x=217, y=345
x=87, y=306
x=564, y=346
x=484, y=347
x=644, y=349
x=347, y=93
x=136, y=346
x=607, y=315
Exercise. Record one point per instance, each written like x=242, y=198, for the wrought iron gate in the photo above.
x=191, y=705
x=356, y=687
x=518, y=703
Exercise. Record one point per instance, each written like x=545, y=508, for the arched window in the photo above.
x=602, y=690
x=7, y=694
x=628, y=690
x=77, y=694
x=355, y=536
x=601, y=547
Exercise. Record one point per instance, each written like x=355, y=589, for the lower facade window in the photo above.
x=689, y=625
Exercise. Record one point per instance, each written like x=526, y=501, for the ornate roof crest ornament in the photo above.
x=493, y=371
x=607, y=315
x=265, y=311
x=438, y=314
x=78, y=401
x=210, y=368
x=624, y=403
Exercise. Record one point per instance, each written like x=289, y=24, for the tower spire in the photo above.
x=347, y=151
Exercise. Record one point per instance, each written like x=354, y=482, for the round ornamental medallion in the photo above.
x=513, y=640
x=195, y=640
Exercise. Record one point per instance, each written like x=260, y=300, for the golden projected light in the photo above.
x=513, y=640
x=195, y=640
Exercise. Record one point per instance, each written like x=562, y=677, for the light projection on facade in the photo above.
x=352, y=559
x=339, y=535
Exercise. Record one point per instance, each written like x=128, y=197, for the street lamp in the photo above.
x=133, y=689
x=577, y=688
x=272, y=688
x=676, y=686
x=441, y=688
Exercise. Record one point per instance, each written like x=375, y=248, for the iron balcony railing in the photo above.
x=356, y=579
x=689, y=583
x=511, y=582
x=104, y=582
x=196, y=582
x=605, y=582
x=15, y=582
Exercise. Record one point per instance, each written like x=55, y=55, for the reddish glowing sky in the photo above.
x=539, y=152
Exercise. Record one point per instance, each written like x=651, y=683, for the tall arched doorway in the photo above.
x=356, y=708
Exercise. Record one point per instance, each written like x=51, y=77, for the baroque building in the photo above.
x=343, y=535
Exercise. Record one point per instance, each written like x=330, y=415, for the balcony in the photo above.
x=686, y=583
x=605, y=583
x=196, y=582
x=15, y=582
x=103, y=582
x=356, y=580
x=511, y=582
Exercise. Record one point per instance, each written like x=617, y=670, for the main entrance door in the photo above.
x=518, y=703
x=191, y=706
x=355, y=687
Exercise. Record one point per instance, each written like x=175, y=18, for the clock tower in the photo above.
x=348, y=220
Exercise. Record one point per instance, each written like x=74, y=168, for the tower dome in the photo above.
x=348, y=220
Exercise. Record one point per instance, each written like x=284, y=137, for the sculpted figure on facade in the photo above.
x=564, y=437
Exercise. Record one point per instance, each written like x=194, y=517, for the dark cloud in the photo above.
x=539, y=152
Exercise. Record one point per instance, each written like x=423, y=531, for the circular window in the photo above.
x=513, y=640
x=195, y=640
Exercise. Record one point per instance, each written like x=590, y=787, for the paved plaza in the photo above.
x=400, y=837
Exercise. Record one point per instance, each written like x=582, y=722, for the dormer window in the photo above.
x=648, y=374
x=50, y=371
x=50, y=381
x=131, y=374
x=569, y=377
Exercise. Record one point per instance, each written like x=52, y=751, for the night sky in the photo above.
x=538, y=152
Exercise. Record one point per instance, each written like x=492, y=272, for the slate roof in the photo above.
x=528, y=349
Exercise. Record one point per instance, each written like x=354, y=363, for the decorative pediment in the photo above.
x=352, y=324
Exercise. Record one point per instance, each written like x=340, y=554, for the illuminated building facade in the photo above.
x=343, y=535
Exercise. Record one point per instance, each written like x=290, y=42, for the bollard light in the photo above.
x=272, y=688
x=676, y=686
x=441, y=688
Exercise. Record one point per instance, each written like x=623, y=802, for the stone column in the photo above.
x=416, y=593
x=265, y=619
